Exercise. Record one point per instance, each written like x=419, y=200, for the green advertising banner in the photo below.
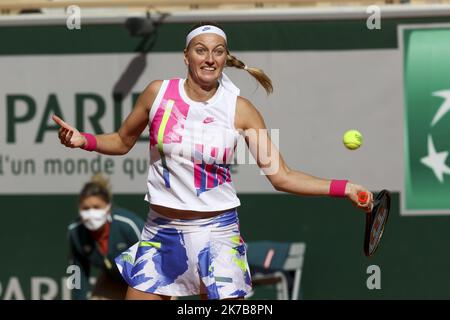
x=426, y=52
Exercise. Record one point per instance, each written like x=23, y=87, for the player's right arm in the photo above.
x=120, y=142
x=271, y=162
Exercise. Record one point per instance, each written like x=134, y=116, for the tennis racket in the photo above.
x=376, y=220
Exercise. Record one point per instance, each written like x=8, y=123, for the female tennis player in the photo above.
x=191, y=243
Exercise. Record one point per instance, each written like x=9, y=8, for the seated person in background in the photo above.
x=101, y=232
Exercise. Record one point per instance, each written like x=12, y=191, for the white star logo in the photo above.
x=436, y=161
x=445, y=106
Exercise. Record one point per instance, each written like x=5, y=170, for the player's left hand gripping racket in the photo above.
x=375, y=220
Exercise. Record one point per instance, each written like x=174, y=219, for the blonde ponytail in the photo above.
x=258, y=74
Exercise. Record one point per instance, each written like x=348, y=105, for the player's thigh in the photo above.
x=133, y=294
x=204, y=296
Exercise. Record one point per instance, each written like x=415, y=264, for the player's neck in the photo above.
x=199, y=92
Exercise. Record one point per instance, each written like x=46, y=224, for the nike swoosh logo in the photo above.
x=208, y=120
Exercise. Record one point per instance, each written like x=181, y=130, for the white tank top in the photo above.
x=192, y=145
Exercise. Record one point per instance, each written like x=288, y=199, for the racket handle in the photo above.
x=363, y=197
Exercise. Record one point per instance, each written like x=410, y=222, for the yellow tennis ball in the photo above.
x=353, y=139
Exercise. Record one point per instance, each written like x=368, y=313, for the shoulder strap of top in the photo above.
x=172, y=91
x=168, y=90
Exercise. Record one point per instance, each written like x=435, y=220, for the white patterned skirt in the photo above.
x=183, y=257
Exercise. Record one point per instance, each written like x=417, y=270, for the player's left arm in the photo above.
x=271, y=162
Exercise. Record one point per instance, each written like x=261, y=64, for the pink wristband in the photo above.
x=91, y=142
x=337, y=188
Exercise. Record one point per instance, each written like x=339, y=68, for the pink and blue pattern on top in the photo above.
x=168, y=123
x=208, y=176
x=210, y=164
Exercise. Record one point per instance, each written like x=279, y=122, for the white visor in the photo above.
x=205, y=29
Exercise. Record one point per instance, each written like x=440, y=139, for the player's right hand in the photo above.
x=68, y=135
x=352, y=191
